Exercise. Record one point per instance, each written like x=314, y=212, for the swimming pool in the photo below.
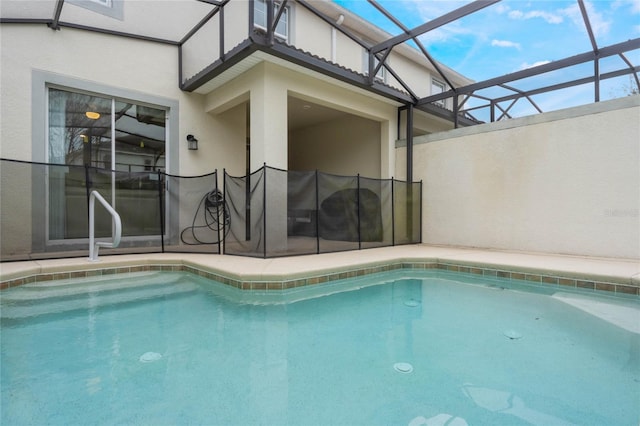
x=402, y=347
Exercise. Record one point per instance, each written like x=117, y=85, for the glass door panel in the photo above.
x=123, y=146
x=140, y=154
x=79, y=135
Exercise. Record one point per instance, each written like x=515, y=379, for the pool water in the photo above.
x=414, y=348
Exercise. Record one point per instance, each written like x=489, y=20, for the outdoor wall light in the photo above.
x=193, y=142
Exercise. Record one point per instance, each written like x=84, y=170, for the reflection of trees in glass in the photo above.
x=74, y=138
x=140, y=138
x=133, y=135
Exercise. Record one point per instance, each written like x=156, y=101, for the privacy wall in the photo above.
x=562, y=182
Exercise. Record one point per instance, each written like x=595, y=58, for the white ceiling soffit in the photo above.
x=231, y=73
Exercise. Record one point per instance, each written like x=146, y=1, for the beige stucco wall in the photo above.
x=561, y=182
x=132, y=66
x=310, y=33
x=268, y=85
x=105, y=64
x=203, y=48
x=346, y=146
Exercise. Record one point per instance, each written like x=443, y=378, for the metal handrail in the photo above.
x=117, y=228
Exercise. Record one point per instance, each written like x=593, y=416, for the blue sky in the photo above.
x=515, y=34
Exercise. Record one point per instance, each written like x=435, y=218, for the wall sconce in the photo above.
x=193, y=142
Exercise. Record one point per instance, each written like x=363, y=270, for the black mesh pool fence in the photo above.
x=269, y=213
x=276, y=212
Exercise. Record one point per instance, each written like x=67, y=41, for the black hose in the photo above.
x=216, y=217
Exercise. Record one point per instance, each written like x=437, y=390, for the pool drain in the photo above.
x=403, y=367
x=150, y=357
x=512, y=334
x=412, y=303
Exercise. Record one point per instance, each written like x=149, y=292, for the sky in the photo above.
x=516, y=34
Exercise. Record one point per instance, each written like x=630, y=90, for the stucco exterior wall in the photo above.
x=562, y=182
x=203, y=48
x=310, y=33
x=283, y=82
x=347, y=146
x=131, y=67
x=33, y=56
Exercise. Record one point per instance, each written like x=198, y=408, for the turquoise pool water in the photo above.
x=402, y=348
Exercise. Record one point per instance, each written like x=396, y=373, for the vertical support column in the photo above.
x=596, y=82
x=456, y=109
x=388, y=137
x=270, y=16
x=409, y=143
x=409, y=169
x=251, y=19
x=268, y=126
x=221, y=33
x=268, y=112
x=180, y=71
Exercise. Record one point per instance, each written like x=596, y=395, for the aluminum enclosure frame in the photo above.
x=459, y=116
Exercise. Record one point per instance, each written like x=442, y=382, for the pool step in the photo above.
x=96, y=285
x=73, y=294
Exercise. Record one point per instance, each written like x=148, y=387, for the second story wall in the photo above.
x=337, y=37
x=310, y=33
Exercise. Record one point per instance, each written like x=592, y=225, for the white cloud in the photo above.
x=501, y=8
x=599, y=24
x=525, y=66
x=551, y=18
x=516, y=14
x=428, y=10
x=634, y=5
x=505, y=43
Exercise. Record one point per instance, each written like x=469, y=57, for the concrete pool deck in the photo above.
x=614, y=275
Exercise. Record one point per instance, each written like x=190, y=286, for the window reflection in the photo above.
x=110, y=135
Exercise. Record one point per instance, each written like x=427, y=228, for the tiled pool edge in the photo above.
x=570, y=280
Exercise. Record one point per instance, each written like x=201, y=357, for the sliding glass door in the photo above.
x=115, y=146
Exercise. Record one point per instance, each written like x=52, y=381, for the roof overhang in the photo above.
x=255, y=50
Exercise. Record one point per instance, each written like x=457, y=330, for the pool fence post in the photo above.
x=224, y=202
x=358, y=210
x=264, y=210
x=420, y=212
x=393, y=215
x=317, y=215
x=160, y=190
x=218, y=212
x=87, y=185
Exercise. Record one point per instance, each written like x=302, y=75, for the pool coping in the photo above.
x=612, y=275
